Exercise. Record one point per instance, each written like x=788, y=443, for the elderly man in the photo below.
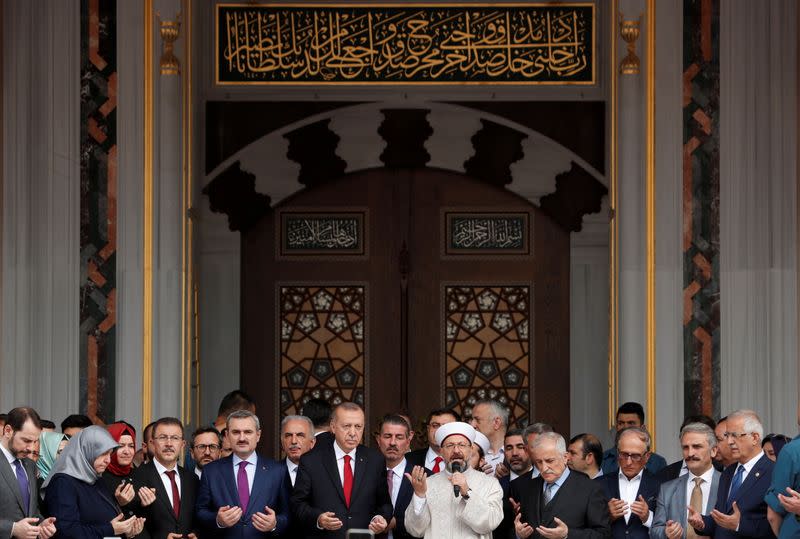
x=697, y=488
x=740, y=510
x=491, y=418
x=461, y=502
x=297, y=439
x=630, y=414
x=558, y=504
x=632, y=491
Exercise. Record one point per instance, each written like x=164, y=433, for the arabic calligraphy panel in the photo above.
x=406, y=43
x=314, y=233
x=486, y=233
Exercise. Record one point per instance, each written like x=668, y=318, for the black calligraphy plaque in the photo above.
x=486, y=233
x=406, y=43
x=312, y=233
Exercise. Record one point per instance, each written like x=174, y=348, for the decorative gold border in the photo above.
x=147, y=254
x=650, y=210
x=613, y=233
x=409, y=83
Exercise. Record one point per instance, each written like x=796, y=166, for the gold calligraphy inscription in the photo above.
x=405, y=43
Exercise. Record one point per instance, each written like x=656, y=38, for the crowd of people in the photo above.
x=475, y=479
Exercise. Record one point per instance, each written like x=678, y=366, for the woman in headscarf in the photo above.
x=118, y=475
x=81, y=505
x=52, y=443
x=772, y=445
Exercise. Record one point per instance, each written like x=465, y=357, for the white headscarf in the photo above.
x=77, y=459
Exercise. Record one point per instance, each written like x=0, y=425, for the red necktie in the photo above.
x=176, y=496
x=436, y=463
x=348, y=480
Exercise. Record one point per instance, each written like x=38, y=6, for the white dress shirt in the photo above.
x=198, y=472
x=11, y=458
x=340, y=453
x=292, y=470
x=250, y=469
x=397, y=477
x=749, y=466
x=628, y=490
x=705, y=488
x=161, y=469
x=493, y=459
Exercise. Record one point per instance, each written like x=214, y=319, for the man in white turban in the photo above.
x=460, y=503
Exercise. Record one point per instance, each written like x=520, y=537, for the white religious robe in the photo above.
x=443, y=516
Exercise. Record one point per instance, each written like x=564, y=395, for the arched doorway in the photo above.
x=411, y=288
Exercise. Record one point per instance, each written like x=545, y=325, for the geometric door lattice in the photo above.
x=322, y=345
x=487, y=347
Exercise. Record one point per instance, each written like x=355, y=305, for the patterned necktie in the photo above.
x=24, y=487
x=548, y=492
x=696, y=503
x=176, y=495
x=737, y=482
x=436, y=463
x=243, y=486
x=348, y=480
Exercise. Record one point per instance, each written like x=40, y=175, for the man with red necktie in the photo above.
x=429, y=457
x=342, y=486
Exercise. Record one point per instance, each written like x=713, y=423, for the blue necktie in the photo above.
x=24, y=489
x=548, y=492
x=737, y=482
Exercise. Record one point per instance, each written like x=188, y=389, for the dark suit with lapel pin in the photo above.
x=218, y=488
x=318, y=489
x=749, y=499
x=648, y=489
x=579, y=503
x=161, y=519
x=11, y=505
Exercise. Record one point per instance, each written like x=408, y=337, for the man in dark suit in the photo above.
x=319, y=412
x=243, y=495
x=171, y=515
x=740, y=510
x=558, y=503
x=19, y=496
x=630, y=414
x=394, y=438
x=297, y=439
x=343, y=485
x=518, y=463
x=632, y=492
x=430, y=457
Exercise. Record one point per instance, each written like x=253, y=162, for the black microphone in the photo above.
x=456, y=467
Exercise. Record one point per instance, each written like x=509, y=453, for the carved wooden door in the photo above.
x=411, y=288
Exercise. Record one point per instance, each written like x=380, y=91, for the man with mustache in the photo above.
x=461, y=502
x=697, y=488
x=171, y=515
x=205, y=448
x=297, y=439
x=394, y=438
x=558, y=504
x=342, y=485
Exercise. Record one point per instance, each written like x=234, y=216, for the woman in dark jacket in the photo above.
x=81, y=504
x=117, y=476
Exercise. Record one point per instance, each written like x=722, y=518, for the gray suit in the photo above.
x=11, y=505
x=672, y=503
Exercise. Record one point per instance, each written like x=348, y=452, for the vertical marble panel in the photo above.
x=701, y=217
x=98, y=203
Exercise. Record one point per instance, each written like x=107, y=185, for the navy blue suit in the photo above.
x=82, y=511
x=648, y=489
x=218, y=488
x=403, y=499
x=750, y=500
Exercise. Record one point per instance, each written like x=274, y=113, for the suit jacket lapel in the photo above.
x=712, y=494
x=333, y=470
x=229, y=478
x=10, y=477
x=360, y=470
x=680, y=498
x=754, y=476
x=405, y=486
x=259, y=484
x=187, y=491
x=161, y=491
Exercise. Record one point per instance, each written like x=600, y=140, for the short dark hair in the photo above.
x=174, y=421
x=21, y=415
x=205, y=430
x=76, y=421
x=632, y=408
x=699, y=418
x=47, y=424
x=443, y=411
x=394, y=419
x=513, y=432
x=235, y=400
x=591, y=444
x=318, y=411
x=147, y=432
x=3, y=417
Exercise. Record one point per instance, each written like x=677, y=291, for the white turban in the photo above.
x=483, y=442
x=457, y=427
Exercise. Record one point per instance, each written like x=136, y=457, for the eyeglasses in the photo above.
x=207, y=447
x=163, y=438
x=460, y=445
x=735, y=434
x=635, y=457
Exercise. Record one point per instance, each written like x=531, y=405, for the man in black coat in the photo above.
x=342, y=486
x=175, y=487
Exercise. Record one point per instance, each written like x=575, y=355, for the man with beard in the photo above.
x=205, y=446
x=518, y=464
x=172, y=513
x=19, y=498
x=394, y=438
x=461, y=502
